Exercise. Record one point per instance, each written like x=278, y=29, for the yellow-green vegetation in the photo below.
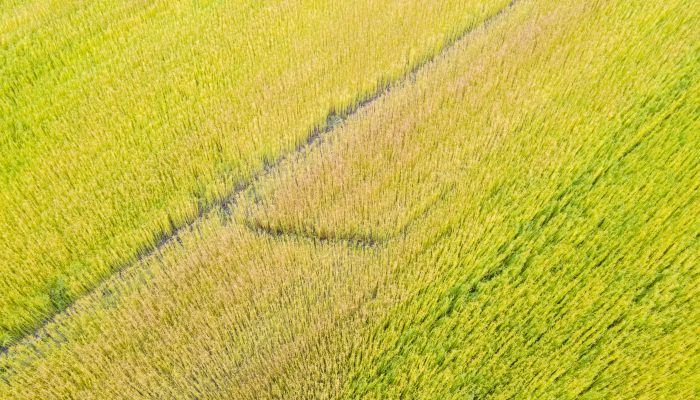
x=121, y=121
x=223, y=315
x=544, y=179
x=521, y=219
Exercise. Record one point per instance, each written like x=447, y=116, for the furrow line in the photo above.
x=359, y=241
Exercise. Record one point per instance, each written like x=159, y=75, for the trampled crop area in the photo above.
x=410, y=199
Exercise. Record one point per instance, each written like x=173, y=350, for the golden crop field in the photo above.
x=121, y=122
x=371, y=200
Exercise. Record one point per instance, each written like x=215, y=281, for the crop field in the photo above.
x=122, y=122
x=403, y=199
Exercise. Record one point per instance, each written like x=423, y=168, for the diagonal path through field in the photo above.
x=226, y=206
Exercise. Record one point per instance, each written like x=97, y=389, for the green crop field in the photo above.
x=404, y=199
